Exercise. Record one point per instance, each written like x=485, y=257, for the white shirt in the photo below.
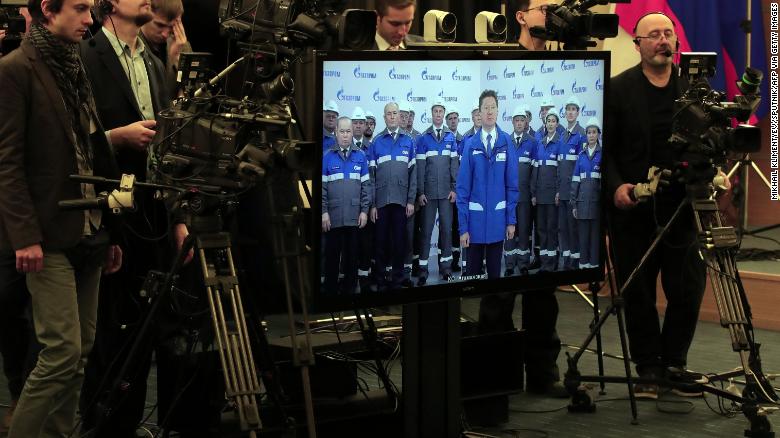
x=381, y=44
x=492, y=137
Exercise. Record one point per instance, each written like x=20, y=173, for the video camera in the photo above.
x=574, y=25
x=13, y=23
x=702, y=129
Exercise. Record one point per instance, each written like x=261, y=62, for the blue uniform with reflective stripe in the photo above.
x=487, y=188
x=328, y=141
x=393, y=171
x=586, y=198
x=346, y=186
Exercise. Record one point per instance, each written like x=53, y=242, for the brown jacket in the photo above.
x=37, y=154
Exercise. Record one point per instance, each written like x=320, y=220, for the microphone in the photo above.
x=91, y=40
x=669, y=53
x=100, y=202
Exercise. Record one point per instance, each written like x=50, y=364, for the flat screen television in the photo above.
x=483, y=179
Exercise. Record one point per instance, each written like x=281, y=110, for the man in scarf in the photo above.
x=49, y=129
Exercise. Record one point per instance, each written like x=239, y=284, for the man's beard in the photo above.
x=143, y=18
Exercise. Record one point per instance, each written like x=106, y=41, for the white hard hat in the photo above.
x=358, y=114
x=403, y=106
x=552, y=112
x=572, y=100
x=593, y=122
x=331, y=106
x=438, y=102
x=370, y=115
x=520, y=110
x=451, y=110
x=546, y=103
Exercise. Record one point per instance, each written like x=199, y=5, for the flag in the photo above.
x=712, y=26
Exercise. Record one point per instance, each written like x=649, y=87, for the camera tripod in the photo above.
x=717, y=246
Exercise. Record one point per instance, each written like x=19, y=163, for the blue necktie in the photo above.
x=489, y=137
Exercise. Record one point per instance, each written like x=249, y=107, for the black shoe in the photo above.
x=406, y=282
x=446, y=277
x=685, y=383
x=509, y=272
x=415, y=269
x=523, y=272
x=421, y=281
x=455, y=267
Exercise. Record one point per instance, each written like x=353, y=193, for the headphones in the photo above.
x=103, y=8
x=636, y=40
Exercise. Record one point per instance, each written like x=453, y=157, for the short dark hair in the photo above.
x=381, y=6
x=170, y=9
x=488, y=93
x=517, y=5
x=36, y=13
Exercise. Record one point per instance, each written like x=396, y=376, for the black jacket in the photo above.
x=627, y=150
x=116, y=103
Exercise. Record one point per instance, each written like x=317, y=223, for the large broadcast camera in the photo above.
x=703, y=134
x=573, y=24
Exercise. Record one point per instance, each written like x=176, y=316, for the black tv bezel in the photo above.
x=472, y=288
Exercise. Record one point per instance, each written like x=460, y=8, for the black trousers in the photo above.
x=17, y=340
x=391, y=242
x=490, y=252
x=341, y=247
x=683, y=276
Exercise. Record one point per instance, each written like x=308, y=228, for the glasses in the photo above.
x=657, y=34
x=542, y=9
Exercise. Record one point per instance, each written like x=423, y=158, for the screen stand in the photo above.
x=431, y=369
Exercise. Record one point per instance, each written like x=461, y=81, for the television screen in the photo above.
x=458, y=172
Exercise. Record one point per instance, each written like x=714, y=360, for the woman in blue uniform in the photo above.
x=585, y=195
x=544, y=187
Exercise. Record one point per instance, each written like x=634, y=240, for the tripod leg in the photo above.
x=599, y=346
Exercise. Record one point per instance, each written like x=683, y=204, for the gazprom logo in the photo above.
x=505, y=117
x=331, y=74
x=363, y=75
x=526, y=72
x=590, y=63
x=412, y=98
x=447, y=98
x=561, y=113
x=491, y=77
x=346, y=97
x=501, y=97
x=508, y=74
x=398, y=76
x=577, y=90
x=516, y=95
x=535, y=93
x=544, y=69
x=457, y=77
x=587, y=112
x=429, y=77
x=378, y=97
x=566, y=67
x=425, y=118
x=556, y=91
x=599, y=85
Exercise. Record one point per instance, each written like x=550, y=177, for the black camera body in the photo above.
x=703, y=134
x=573, y=24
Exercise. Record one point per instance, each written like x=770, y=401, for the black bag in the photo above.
x=91, y=251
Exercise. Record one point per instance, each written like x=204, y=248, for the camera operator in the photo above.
x=59, y=252
x=130, y=89
x=640, y=125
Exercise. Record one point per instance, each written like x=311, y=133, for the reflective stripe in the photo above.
x=411, y=163
x=525, y=160
x=543, y=252
x=571, y=157
x=382, y=159
x=455, y=249
x=407, y=266
x=524, y=251
x=475, y=206
x=477, y=152
x=445, y=259
x=334, y=177
x=575, y=178
x=595, y=175
x=415, y=257
x=431, y=154
x=372, y=163
x=388, y=268
x=583, y=175
x=402, y=158
x=423, y=262
x=552, y=253
x=362, y=273
x=420, y=156
x=550, y=163
x=566, y=253
x=575, y=255
x=364, y=178
x=354, y=175
x=501, y=205
x=536, y=163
